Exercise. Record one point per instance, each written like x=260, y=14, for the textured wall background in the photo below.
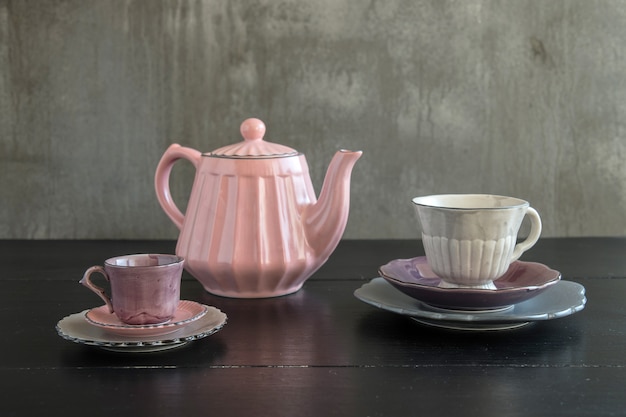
x=523, y=98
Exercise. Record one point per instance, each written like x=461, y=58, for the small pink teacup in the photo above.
x=145, y=288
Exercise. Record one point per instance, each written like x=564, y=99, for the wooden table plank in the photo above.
x=318, y=391
x=322, y=325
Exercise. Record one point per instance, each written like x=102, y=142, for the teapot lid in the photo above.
x=253, y=145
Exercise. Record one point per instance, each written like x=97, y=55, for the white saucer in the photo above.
x=76, y=329
x=186, y=312
x=560, y=300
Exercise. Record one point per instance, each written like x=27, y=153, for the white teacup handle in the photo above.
x=533, y=236
x=86, y=281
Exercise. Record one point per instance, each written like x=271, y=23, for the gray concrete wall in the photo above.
x=524, y=98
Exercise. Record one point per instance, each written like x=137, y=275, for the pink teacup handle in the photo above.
x=533, y=236
x=86, y=281
x=162, y=179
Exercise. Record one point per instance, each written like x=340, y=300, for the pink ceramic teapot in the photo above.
x=253, y=226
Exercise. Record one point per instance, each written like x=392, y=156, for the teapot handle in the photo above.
x=162, y=179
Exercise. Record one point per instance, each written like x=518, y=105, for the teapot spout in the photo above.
x=325, y=221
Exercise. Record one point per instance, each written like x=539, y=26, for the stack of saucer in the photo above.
x=527, y=292
x=99, y=327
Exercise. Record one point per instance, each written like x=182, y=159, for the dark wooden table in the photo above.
x=319, y=352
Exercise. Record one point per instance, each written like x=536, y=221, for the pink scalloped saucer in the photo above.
x=186, y=312
x=522, y=281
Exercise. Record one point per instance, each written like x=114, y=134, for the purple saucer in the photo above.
x=522, y=281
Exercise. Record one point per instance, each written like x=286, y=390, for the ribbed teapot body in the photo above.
x=243, y=235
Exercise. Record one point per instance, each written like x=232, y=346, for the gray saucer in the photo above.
x=560, y=300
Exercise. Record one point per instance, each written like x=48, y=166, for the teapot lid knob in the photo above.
x=252, y=129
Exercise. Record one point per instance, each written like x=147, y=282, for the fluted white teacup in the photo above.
x=471, y=239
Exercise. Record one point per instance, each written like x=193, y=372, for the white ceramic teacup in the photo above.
x=471, y=239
